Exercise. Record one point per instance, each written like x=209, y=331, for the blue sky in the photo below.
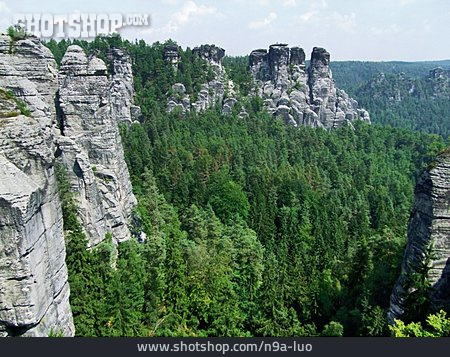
x=407, y=30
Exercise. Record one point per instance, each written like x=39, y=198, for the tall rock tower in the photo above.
x=428, y=231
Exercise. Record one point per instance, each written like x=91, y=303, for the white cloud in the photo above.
x=289, y=2
x=4, y=8
x=319, y=4
x=171, y=2
x=346, y=22
x=189, y=11
x=393, y=29
x=263, y=23
x=309, y=16
x=5, y=20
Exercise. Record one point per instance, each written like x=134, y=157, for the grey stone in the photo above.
x=74, y=116
x=281, y=79
x=429, y=228
x=34, y=293
x=91, y=106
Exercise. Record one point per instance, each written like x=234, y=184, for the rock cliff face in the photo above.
x=298, y=95
x=74, y=121
x=121, y=88
x=429, y=227
x=440, y=82
x=399, y=86
x=218, y=89
x=90, y=105
x=34, y=293
x=171, y=55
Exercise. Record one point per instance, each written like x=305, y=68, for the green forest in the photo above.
x=254, y=228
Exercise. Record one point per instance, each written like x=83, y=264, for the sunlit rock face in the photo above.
x=428, y=234
x=74, y=113
x=300, y=95
x=90, y=106
x=34, y=292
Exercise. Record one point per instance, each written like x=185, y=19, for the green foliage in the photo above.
x=237, y=69
x=349, y=75
x=333, y=329
x=438, y=325
x=228, y=201
x=8, y=94
x=54, y=333
x=417, y=306
x=253, y=228
x=406, y=98
x=16, y=33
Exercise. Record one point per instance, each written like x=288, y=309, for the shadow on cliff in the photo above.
x=441, y=290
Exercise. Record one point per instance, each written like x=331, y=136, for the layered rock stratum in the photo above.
x=34, y=292
x=300, y=95
x=290, y=91
x=90, y=105
x=73, y=121
x=428, y=239
x=219, y=89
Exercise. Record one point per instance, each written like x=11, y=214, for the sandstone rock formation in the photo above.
x=171, y=55
x=399, y=87
x=440, y=82
x=90, y=105
x=429, y=228
x=301, y=96
x=217, y=90
x=121, y=88
x=34, y=293
x=74, y=121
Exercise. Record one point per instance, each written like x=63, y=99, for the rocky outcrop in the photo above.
x=440, y=82
x=218, y=90
x=34, y=292
x=122, y=88
x=171, y=55
x=428, y=234
x=210, y=53
x=301, y=96
x=90, y=105
x=74, y=117
x=397, y=87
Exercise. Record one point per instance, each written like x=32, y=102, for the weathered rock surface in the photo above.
x=90, y=105
x=171, y=55
x=440, y=82
x=34, y=292
x=74, y=120
x=217, y=90
x=121, y=88
x=397, y=87
x=301, y=96
x=29, y=70
x=429, y=228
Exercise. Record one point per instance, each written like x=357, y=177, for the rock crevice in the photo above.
x=428, y=231
x=300, y=95
x=74, y=120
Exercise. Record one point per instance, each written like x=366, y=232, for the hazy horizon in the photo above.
x=351, y=30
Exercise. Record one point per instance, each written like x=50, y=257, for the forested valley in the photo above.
x=253, y=228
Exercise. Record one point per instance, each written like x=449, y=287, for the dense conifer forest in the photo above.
x=254, y=228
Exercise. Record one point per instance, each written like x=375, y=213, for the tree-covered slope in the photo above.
x=411, y=95
x=252, y=227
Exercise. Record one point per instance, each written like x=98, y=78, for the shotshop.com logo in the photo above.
x=77, y=25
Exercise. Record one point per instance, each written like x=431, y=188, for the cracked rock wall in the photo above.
x=34, y=292
x=429, y=227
